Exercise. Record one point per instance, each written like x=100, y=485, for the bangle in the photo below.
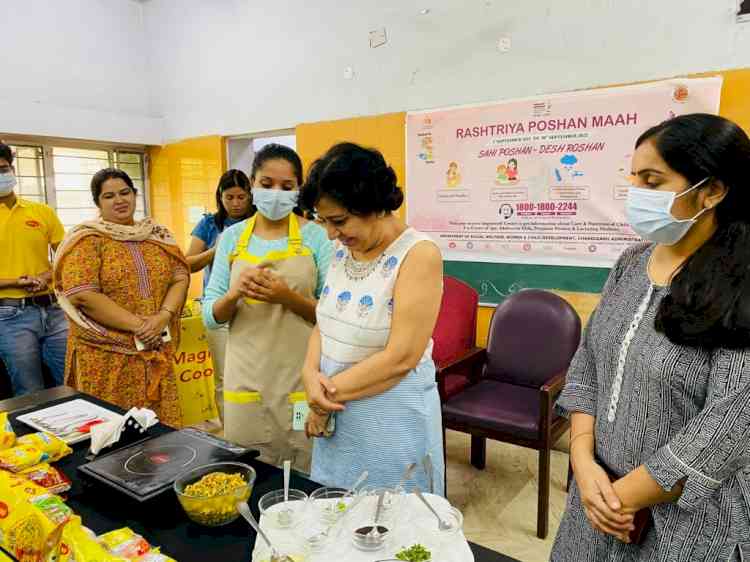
x=171, y=313
x=576, y=437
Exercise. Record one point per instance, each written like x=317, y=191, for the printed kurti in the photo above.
x=104, y=362
x=683, y=412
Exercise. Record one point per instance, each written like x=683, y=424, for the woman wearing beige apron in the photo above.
x=267, y=275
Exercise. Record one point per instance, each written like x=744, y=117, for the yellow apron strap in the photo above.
x=241, y=396
x=294, y=244
x=295, y=236
x=244, y=240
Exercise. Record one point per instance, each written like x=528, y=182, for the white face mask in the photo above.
x=7, y=183
x=649, y=213
x=274, y=204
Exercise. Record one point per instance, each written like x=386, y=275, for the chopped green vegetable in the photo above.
x=341, y=506
x=415, y=553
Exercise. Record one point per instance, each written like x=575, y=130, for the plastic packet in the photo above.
x=21, y=457
x=48, y=477
x=7, y=435
x=31, y=519
x=80, y=544
x=55, y=447
x=125, y=543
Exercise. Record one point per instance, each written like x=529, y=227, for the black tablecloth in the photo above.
x=162, y=521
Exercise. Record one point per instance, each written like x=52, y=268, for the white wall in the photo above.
x=77, y=69
x=112, y=69
x=237, y=66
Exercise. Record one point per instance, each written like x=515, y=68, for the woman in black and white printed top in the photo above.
x=659, y=391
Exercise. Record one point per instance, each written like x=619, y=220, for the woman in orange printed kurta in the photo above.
x=119, y=280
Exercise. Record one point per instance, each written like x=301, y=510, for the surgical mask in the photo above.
x=7, y=183
x=274, y=204
x=649, y=213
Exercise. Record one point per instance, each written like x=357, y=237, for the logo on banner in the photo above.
x=680, y=93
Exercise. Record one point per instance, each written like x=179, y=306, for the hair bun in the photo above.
x=394, y=199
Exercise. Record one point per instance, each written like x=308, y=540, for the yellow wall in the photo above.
x=388, y=133
x=384, y=132
x=183, y=175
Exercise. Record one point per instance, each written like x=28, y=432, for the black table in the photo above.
x=162, y=521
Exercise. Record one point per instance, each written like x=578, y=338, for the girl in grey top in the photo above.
x=659, y=390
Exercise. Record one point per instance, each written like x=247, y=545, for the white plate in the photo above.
x=62, y=417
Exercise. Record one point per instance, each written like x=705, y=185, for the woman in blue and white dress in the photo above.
x=369, y=360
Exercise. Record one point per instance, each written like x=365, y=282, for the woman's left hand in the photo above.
x=152, y=328
x=269, y=287
x=315, y=424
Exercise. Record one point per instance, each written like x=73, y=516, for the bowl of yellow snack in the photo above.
x=209, y=493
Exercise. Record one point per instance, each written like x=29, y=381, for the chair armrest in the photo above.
x=549, y=392
x=473, y=357
x=554, y=385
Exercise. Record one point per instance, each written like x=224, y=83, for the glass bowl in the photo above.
x=273, y=510
x=392, y=501
x=450, y=515
x=214, y=510
x=330, y=503
x=289, y=547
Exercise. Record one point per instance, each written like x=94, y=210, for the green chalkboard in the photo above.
x=496, y=281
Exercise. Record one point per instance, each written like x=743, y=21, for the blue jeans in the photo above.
x=28, y=336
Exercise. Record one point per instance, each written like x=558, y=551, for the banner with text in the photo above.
x=542, y=180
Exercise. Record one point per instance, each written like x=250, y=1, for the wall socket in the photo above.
x=504, y=44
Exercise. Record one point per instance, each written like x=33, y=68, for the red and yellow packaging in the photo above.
x=50, y=444
x=31, y=519
x=78, y=544
x=7, y=435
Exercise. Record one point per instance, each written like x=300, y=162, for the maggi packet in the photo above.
x=21, y=457
x=55, y=447
x=7, y=435
x=79, y=544
x=31, y=519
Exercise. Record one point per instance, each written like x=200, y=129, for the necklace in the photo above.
x=357, y=270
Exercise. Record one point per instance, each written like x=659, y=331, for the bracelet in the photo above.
x=570, y=446
x=171, y=313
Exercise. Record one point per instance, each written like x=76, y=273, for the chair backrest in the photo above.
x=456, y=327
x=533, y=336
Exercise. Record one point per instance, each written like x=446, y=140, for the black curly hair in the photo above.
x=357, y=178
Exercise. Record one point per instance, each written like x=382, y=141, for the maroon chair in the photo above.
x=454, y=336
x=533, y=336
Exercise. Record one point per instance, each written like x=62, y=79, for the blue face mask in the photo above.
x=649, y=213
x=274, y=204
x=7, y=183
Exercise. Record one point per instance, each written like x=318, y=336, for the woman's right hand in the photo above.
x=600, y=502
x=320, y=392
x=245, y=282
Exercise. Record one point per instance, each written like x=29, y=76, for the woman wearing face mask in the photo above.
x=370, y=357
x=267, y=275
x=233, y=201
x=122, y=283
x=659, y=391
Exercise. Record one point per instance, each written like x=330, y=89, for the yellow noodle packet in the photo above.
x=55, y=447
x=79, y=544
x=31, y=519
x=7, y=435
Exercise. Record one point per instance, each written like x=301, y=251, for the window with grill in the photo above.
x=29, y=165
x=61, y=176
x=73, y=169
